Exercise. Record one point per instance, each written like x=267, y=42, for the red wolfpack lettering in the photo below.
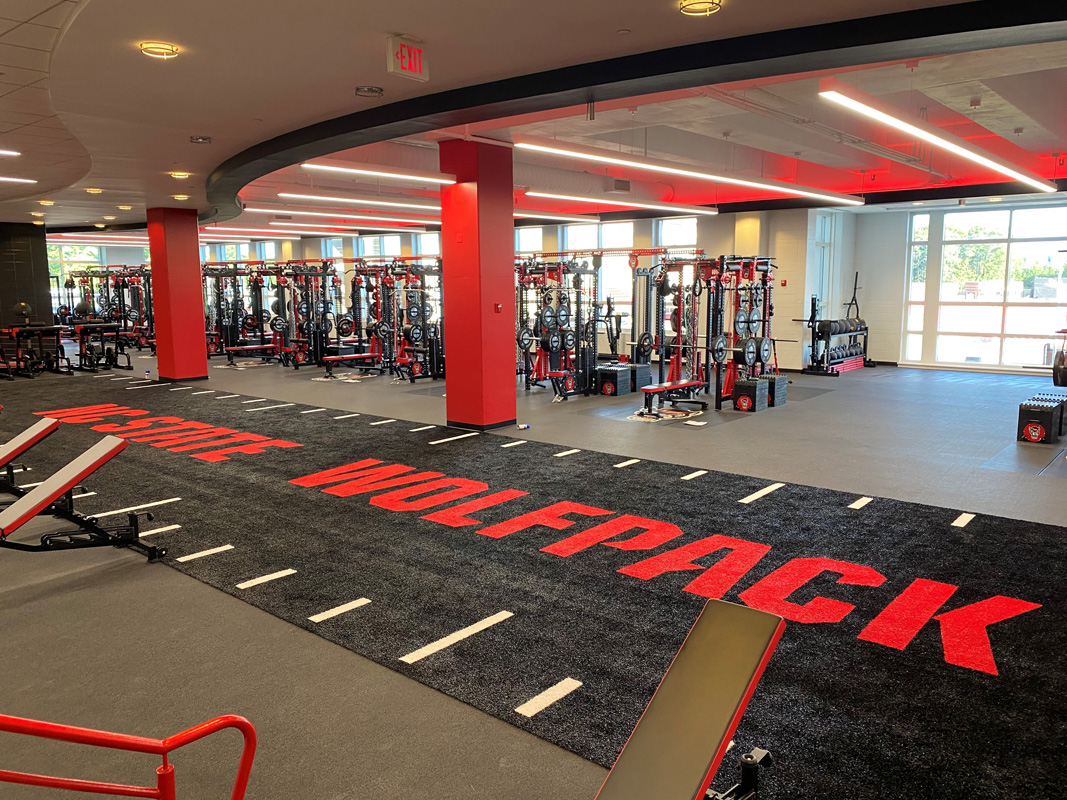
x=964, y=631
x=173, y=433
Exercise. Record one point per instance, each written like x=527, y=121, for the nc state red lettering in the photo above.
x=770, y=593
x=550, y=517
x=655, y=534
x=717, y=579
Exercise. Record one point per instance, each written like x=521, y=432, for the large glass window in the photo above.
x=1002, y=286
x=529, y=240
x=582, y=237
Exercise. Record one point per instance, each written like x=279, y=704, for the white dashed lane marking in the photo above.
x=962, y=520
x=203, y=553
x=861, y=502
x=226, y=396
x=261, y=400
x=423, y=428
x=766, y=490
x=628, y=463
x=137, y=508
x=336, y=612
x=160, y=530
x=285, y=573
x=383, y=422
x=454, y=438
x=346, y=416
x=458, y=636
x=313, y=411
x=208, y=391
x=150, y=386
x=514, y=444
x=182, y=389
x=268, y=408
x=549, y=696
x=696, y=474
x=567, y=453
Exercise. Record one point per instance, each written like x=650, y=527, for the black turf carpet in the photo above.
x=846, y=718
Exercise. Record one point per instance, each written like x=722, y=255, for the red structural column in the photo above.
x=177, y=297
x=478, y=252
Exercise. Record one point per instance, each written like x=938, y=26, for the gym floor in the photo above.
x=88, y=640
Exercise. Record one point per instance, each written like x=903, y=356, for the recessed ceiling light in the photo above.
x=124, y=208
x=180, y=196
x=94, y=191
x=38, y=222
x=99, y=225
x=108, y=217
x=200, y=139
x=179, y=175
x=36, y=213
x=17, y=180
x=10, y=153
x=159, y=49
x=699, y=8
x=46, y=202
x=370, y=91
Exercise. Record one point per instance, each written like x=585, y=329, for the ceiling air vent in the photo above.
x=619, y=186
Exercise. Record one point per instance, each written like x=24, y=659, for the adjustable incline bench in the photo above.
x=19, y=445
x=687, y=727
x=54, y=496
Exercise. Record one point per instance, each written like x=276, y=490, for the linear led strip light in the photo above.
x=371, y=217
x=862, y=103
x=16, y=180
x=376, y=171
x=359, y=201
x=676, y=208
x=652, y=165
x=349, y=228
x=527, y=214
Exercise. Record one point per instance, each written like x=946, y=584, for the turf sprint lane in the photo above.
x=844, y=716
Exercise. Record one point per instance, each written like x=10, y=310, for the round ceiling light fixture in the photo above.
x=179, y=175
x=699, y=8
x=38, y=222
x=36, y=213
x=124, y=208
x=374, y=92
x=99, y=225
x=108, y=216
x=159, y=49
x=46, y=202
x=180, y=196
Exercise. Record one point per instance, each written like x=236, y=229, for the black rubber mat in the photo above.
x=871, y=697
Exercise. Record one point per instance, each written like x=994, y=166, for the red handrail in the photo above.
x=164, y=789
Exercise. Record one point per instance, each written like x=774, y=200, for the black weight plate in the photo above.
x=133, y=315
x=548, y=317
x=589, y=332
x=749, y=351
x=320, y=306
x=276, y=306
x=719, y=347
x=278, y=324
x=741, y=322
x=412, y=297
x=755, y=322
x=1059, y=369
x=551, y=341
x=414, y=312
x=427, y=312
x=569, y=340
x=524, y=338
x=563, y=316
x=372, y=311
x=564, y=299
x=414, y=334
x=326, y=326
x=345, y=326
x=698, y=287
x=765, y=350
x=431, y=332
x=645, y=343
x=249, y=322
x=384, y=330
x=303, y=308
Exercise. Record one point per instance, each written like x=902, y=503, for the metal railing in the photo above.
x=164, y=789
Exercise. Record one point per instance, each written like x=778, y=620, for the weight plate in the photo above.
x=372, y=310
x=250, y=322
x=564, y=299
x=719, y=346
x=414, y=312
x=133, y=315
x=765, y=350
x=551, y=341
x=524, y=338
x=320, y=306
x=755, y=322
x=589, y=332
x=676, y=319
x=546, y=299
x=345, y=326
x=276, y=306
x=645, y=343
x=741, y=322
x=427, y=312
x=416, y=367
x=303, y=308
x=411, y=297
x=569, y=340
x=757, y=294
x=383, y=330
x=1059, y=369
x=698, y=287
x=749, y=352
x=563, y=316
x=278, y=324
x=548, y=317
x=413, y=333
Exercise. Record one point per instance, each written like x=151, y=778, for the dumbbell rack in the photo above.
x=850, y=351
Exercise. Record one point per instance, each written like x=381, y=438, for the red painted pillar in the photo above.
x=478, y=252
x=177, y=297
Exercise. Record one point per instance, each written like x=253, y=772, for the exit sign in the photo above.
x=407, y=58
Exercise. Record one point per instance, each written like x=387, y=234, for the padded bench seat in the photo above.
x=656, y=388
x=674, y=392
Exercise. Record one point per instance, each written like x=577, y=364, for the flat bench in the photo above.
x=687, y=727
x=47, y=497
x=329, y=361
x=673, y=392
x=14, y=448
x=268, y=349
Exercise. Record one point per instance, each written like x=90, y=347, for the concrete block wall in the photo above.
x=880, y=255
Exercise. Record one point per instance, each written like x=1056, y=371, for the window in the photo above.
x=67, y=258
x=678, y=232
x=333, y=248
x=268, y=251
x=430, y=244
x=1002, y=286
x=582, y=237
x=616, y=275
x=529, y=240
